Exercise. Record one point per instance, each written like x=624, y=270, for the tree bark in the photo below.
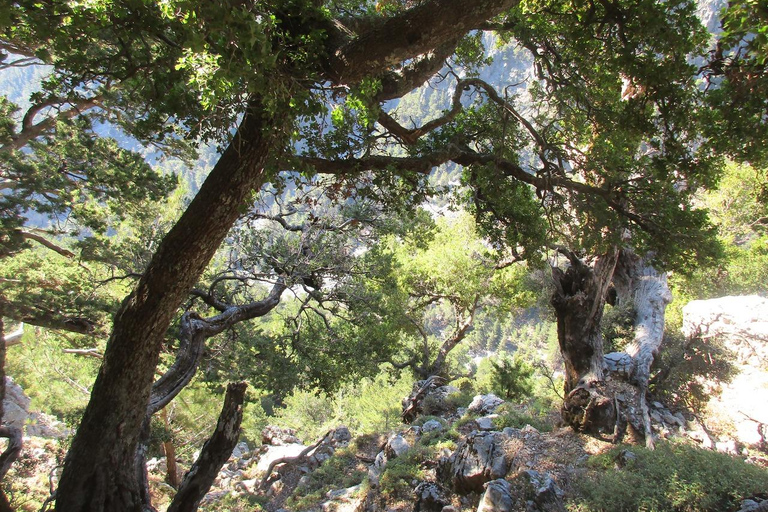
x=637, y=281
x=99, y=470
x=579, y=300
x=172, y=470
x=214, y=454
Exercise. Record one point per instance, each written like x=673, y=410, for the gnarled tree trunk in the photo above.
x=579, y=300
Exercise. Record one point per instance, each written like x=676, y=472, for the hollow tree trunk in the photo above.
x=579, y=300
x=100, y=467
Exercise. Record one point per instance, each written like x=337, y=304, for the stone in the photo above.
x=670, y=418
x=240, y=450
x=497, y=497
x=485, y=404
x=479, y=458
x=44, y=425
x=277, y=436
x=250, y=486
x=343, y=500
x=486, y=422
x=396, y=446
x=431, y=425
x=625, y=458
x=540, y=489
x=430, y=497
x=728, y=447
x=341, y=436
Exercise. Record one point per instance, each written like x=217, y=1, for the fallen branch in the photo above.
x=286, y=460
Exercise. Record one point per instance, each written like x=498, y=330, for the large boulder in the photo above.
x=479, y=458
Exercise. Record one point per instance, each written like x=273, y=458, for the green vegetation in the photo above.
x=674, y=477
x=305, y=264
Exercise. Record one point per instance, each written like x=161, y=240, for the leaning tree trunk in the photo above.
x=579, y=300
x=637, y=281
x=100, y=467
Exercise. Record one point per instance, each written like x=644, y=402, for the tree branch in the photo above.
x=28, y=235
x=415, y=32
x=214, y=454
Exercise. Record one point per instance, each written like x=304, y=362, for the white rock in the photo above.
x=397, y=446
x=485, y=404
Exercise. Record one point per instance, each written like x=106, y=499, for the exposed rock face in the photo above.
x=480, y=458
x=497, y=497
x=741, y=324
x=343, y=500
x=741, y=321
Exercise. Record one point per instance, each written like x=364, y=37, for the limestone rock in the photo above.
x=240, y=450
x=486, y=422
x=741, y=325
x=497, y=497
x=479, y=458
x=485, y=404
x=396, y=446
x=343, y=500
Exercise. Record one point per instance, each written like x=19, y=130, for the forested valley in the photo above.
x=404, y=255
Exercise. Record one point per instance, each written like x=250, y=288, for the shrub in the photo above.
x=675, y=477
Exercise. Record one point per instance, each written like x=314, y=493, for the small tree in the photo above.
x=511, y=377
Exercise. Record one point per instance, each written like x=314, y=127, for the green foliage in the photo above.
x=511, y=377
x=56, y=382
x=739, y=64
x=739, y=207
x=618, y=326
x=673, y=477
x=367, y=406
x=400, y=472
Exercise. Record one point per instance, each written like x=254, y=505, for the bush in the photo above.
x=675, y=477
